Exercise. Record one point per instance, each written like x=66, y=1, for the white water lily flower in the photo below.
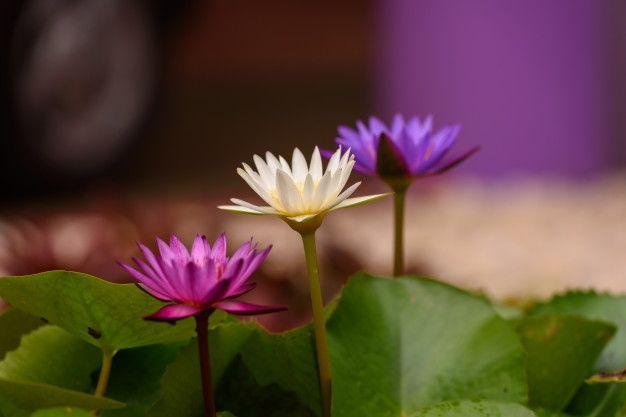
x=298, y=193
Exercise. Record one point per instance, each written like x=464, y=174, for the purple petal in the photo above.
x=348, y=133
x=397, y=125
x=440, y=144
x=363, y=169
x=242, y=308
x=364, y=133
x=455, y=161
x=390, y=161
x=326, y=153
x=377, y=127
x=174, y=312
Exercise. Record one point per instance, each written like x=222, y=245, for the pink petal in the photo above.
x=174, y=312
x=218, y=250
x=166, y=252
x=154, y=293
x=145, y=280
x=215, y=292
x=238, y=291
x=156, y=281
x=242, y=308
x=152, y=260
x=179, y=250
x=200, y=249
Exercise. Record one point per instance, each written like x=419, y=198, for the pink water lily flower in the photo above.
x=199, y=281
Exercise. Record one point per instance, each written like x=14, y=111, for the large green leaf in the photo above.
x=240, y=392
x=474, y=409
x=399, y=345
x=104, y=314
x=13, y=325
x=286, y=361
x=49, y=368
x=181, y=393
x=561, y=353
x=19, y=399
x=594, y=306
x=50, y=355
x=61, y=412
x=136, y=378
x=596, y=400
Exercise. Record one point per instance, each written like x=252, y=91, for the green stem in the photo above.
x=398, y=246
x=319, y=322
x=105, y=373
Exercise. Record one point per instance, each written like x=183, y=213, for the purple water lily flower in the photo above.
x=407, y=149
x=200, y=281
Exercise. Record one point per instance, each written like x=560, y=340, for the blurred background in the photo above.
x=123, y=120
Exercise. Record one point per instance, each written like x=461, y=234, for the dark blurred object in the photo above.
x=146, y=93
x=80, y=79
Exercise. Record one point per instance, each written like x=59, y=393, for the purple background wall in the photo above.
x=530, y=80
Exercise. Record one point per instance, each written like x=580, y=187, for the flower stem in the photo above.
x=105, y=373
x=398, y=246
x=319, y=323
x=202, y=326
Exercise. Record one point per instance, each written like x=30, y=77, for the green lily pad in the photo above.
x=51, y=355
x=593, y=306
x=136, y=378
x=181, y=392
x=597, y=400
x=286, y=360
x=104, y=314
x=562, y=351
x=13, y=325
x=399, y=345
x=61, y=412
x=240, y=392
x=473, y=409
x=18, y=398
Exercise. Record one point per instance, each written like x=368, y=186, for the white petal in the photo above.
x=321, y=193
x=298, y=166
x=285, y=165
x=261, y=209
x=272, y=162
x=357, y=201
x=333, y=187
x=302, y=218
x=333, y=162
x=264, y=172
x=240, y=210
x=344, y=158
x=345, y=174
x=315, y=169
x=258, y=188
x=307, y=191
x=347, y=193
x=288, y=192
